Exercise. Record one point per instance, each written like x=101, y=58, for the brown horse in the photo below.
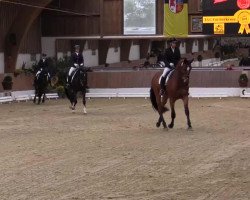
x=177, y=88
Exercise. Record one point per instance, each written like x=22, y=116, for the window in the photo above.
x=139, y=17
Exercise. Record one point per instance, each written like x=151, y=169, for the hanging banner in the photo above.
x=176, y=18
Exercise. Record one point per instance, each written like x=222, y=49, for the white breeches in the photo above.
x=165, y=71
x=71, y=70
x=38, y=72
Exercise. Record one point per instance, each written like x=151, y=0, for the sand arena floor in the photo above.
x=116, y=152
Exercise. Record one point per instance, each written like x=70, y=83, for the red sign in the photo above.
x=242, y=4
x=219, y=1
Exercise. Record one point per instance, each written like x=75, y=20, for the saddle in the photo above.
x=75, y=72
x=167, y=78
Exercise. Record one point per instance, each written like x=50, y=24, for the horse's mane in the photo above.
x=180, y=63
x=184, y=62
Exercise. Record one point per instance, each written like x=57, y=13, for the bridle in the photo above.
x=185, y=75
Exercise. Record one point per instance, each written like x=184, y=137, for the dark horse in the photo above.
x=41, y=83
x=177, y=88
x=78, y=84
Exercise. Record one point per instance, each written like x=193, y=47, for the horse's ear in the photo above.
x=185, y=61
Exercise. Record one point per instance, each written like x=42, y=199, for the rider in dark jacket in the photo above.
x=77, y=61
x=172, y=57
x=43, y=65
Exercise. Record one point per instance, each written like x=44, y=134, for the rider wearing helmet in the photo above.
x=77, y=61
x=43, y=65
x=172, y=57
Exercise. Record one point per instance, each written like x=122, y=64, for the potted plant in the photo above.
x=60, y=91
x=17, y=72
x=243, y=80
x=7, y=83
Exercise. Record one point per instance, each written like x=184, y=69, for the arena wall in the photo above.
x=1, y=62
x=141, y=79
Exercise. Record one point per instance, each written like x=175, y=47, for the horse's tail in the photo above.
x=154, y=101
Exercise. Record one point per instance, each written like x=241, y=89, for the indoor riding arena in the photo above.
x=111, y=148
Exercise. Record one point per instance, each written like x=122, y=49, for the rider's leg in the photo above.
x=38, y=72
x=163, y=86
x=163, y=81
x=36, y=77
x=49, y=78
x=69, y=74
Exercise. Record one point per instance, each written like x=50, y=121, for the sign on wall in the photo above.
x=226, y=17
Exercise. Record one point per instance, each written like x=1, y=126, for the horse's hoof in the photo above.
x=189, y=129
x=171, y=126
x=165, y=126
x=158, y=124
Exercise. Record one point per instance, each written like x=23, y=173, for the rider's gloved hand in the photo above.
x=171, y=64
x=81, y=64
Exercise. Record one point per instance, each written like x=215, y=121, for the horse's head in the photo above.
x=83, y=75
x=184, y=67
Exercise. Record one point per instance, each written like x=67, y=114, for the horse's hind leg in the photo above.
x=84, y=102
x=185, y=101
x=158, y=124
x=161, y=120
x=164, y=123
x=161, y=110
x=173, y=114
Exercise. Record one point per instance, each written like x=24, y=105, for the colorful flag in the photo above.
x=176, y=18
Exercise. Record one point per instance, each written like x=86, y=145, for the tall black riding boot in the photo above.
x=163, y=87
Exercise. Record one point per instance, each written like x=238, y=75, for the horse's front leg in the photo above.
x=39, y=99
x=34, y=100
x=173, y=114
x=185, y=101
x=74, y=101
x=84, y=102
x=43, y=98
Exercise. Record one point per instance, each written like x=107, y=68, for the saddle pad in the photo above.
x=74, y=73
